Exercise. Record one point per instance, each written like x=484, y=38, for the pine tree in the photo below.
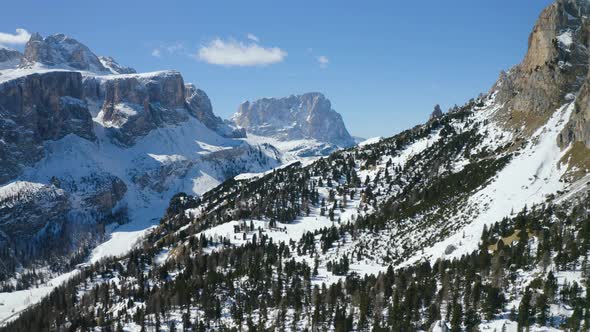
x=542, y=309
x=456, y=316
x=472, y=320
x=524, y=310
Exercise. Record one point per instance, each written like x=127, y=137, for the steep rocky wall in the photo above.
x=133, y=105
x=553, y=70
x=60, y=50
x=295, y=117
x=36, y=108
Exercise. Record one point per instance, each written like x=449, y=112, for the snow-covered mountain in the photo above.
x=61, y=51
x=476, y=220
x=91, y=151
x=301, y=126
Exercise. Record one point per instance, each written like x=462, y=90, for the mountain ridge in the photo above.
x=305, y=116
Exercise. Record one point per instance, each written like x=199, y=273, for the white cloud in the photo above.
x=164, y=49
x=253, y=37
x=234, y=53
x=22, y=36
x=175, y=48
x=323, y=61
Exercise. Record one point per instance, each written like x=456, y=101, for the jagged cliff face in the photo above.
x=37, y=108
x=578, y=128
x=134, y=105
x=553, y=70
x=308, y=116
x=61, y=50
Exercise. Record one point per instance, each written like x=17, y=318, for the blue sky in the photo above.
x=383, y=64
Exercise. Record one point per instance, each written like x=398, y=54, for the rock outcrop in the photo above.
x=102, y=192
x=578, y=128
x=36, y=108
x=133, y=105
x=554, y=66
x=436, y=113
x=61, y=51
x=307, y=116
x=114, y=67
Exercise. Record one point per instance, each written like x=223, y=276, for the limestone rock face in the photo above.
x=61, y=51
x=553, y=72
x=307, y=116
x=578, y=128
x=36, y=108
x=133, y=105
x=200, y=105
x=104, y=191
x=554, y=66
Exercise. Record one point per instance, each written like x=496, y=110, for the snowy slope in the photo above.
x=185, y=150
x=531, y=175
x=534, y=174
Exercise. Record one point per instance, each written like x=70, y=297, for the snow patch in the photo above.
x=566, y=38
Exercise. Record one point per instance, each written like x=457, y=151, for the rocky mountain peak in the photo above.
x=560, y=31
x=552, y=71
x=307, y=116
x=61, y=51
